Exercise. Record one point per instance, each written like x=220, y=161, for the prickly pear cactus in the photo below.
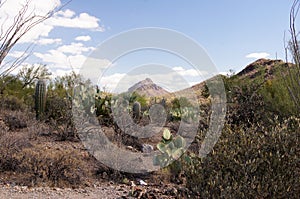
x=40, y=98
x=171, y=149
x=136, y=111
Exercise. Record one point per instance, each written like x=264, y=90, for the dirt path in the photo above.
x=103, y=191
x=22, y=192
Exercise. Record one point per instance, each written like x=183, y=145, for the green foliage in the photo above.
x=268, y=84
x=277, y=98
x=135, y=97
x=40, y=99
x=205, y=91
x=182, y=109
x=180, y=103
x=13, y=87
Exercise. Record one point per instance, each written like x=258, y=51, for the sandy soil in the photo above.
x=109, y=191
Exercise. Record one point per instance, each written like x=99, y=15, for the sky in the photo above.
x=231, y=33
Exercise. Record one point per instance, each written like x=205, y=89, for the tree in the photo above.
x=293, y=77
x=12, y=31
x=28, y=74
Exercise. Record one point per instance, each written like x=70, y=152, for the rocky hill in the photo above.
x=148, y=88
x=259, y=67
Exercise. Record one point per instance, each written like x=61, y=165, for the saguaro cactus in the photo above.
x=163, y=102
x=136, y=111
x=40, y=98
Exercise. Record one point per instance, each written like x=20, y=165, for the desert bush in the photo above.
x=15, y=120
x=58, y=114
x=276, y=97
x=245, y=106
x=13, y=88
x=11, y=143
x=249, y=163
x=10, y=102
x=51, y=167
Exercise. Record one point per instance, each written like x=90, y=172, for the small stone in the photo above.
x=147, y=148
x=104, y=175
x=143, y=183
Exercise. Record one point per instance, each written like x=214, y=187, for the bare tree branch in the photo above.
x=292, y=79
x=21, y=24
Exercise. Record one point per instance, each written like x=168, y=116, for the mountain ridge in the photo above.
x=148, y=88
x=260, y=68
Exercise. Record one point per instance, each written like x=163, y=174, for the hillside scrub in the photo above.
x=257, y=154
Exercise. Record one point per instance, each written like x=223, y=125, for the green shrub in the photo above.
x=277, y=98
x=249, y=163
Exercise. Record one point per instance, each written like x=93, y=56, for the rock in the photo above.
x=143, y=183
x=104, y=175
x=147, y=148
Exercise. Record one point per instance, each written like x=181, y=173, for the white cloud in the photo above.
x=83, y=21
x=66, y=56
x=60, y=60
x=63, y=18
x=258, y=55
x=67, y=13
x=59, y=72
x=47, y=41
x=10, y=9
x=75, y=48
x=188, y=72
x=111, y=82
x=178, y=68
x=83, y=38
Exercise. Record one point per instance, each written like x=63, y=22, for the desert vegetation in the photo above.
x=256, y=156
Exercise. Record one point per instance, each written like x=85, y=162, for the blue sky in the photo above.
x=233, y=33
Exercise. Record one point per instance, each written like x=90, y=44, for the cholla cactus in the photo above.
x=40, y=98
x=136, y=111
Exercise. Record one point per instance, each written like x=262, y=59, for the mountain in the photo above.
x=148, y=88
x=259, y=67
x=256, y=73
